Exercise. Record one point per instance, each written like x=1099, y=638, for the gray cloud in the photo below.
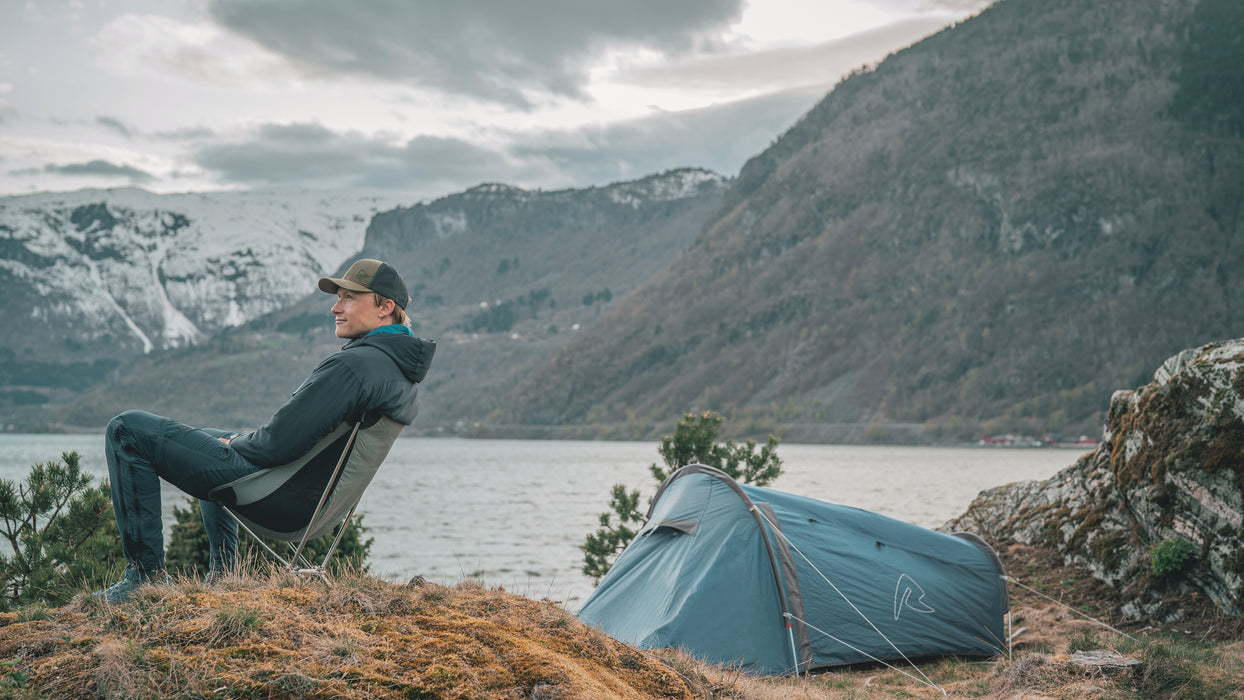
x=114, y=125
x=95, y=168
x=821, y=64
x=719, y=138
x=932, y=5
x=192, y=133
x=956, y=5
x=310, y=154
x=498, y=50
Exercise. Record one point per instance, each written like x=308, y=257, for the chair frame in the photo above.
x=297, y=564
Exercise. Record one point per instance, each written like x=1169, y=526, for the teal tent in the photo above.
x=775, y=583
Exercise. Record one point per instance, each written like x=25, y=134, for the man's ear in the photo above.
x=387, y=308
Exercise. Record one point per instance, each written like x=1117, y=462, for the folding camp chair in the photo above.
x=276, y=502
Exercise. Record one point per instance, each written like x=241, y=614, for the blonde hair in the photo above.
x=399, y=316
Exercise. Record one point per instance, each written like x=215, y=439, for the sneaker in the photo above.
x=121, y=591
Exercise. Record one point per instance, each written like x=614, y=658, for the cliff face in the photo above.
x=112, y=273
x=1171, y=468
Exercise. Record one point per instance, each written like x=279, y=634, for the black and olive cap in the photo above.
x=370, y=276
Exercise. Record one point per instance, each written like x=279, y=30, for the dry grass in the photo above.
x=365, y=638
x=273, y=637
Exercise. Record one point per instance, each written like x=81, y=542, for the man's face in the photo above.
x=356, y=313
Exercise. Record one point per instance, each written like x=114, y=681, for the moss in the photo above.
x=1223, y=447
x=1235, y=562
x=1177, y=438
x=1164, y=497
x=1087, y=527
x=1108, y=549
x=1051, y=529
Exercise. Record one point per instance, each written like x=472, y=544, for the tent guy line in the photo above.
x=842, y=595
x=923, y=680
x=1087, y=617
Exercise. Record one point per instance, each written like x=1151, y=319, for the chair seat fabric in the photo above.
x=279, y=502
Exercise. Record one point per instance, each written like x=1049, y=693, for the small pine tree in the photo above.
x=694, y=442
x=61, y=535
x=189, y=552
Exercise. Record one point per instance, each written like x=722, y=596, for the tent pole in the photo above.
x=790, y=632
x=1010, y=639
x=779, y=585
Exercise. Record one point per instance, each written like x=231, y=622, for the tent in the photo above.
x=775, y=583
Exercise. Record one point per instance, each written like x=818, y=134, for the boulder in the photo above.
x=1156, y=512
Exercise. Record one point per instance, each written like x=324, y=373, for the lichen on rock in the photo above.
x=1170, y=468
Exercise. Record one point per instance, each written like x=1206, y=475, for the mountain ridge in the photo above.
x=110, y=252
x=500, y=276
x=990, y=230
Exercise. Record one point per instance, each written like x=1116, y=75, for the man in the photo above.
x=377, y=373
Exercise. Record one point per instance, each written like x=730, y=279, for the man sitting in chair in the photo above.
x=377, y=373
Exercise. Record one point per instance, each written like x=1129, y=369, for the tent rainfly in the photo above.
x=776, y=584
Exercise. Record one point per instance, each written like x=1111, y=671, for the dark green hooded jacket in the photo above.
x=376, y=375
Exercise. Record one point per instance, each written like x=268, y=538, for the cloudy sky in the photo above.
x=418, y=97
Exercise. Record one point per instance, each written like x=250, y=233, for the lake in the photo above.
x=513, y=513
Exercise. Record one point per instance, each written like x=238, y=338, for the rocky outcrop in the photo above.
x=1170, y=469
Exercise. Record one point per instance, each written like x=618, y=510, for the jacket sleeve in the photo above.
x=326, y=399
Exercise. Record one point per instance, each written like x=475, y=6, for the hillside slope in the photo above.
x=96, y=278
x=501, y=277
x=1001, y=223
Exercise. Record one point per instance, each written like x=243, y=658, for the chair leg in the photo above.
x=258, y=539
x=332, y=481
x=297, y=563
x=289, y=565
x=337, y=540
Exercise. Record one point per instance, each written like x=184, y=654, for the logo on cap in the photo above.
x=361, y=276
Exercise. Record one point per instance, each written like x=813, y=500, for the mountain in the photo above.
x=96, y=277
x=501, y=277
x=990, y=230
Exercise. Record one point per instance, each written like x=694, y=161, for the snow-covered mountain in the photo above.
x=139, y=271
x=502, y=277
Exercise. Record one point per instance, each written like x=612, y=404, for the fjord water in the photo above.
x=512, y=513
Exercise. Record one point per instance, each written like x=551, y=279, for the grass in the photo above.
x=271, y=636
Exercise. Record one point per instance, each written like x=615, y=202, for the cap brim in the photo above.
x=331, y=284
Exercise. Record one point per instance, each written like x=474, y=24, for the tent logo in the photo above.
x=903, y=597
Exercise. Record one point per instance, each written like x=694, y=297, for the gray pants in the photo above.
x=143, y=448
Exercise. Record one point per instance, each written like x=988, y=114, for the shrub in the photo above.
x=61, y=535
x=694, y=442
x=1170, y=556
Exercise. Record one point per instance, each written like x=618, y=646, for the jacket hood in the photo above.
x=412, y=355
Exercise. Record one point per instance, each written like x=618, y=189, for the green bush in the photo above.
x=1170, y=556
x=694, y=442
x=60, y=532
